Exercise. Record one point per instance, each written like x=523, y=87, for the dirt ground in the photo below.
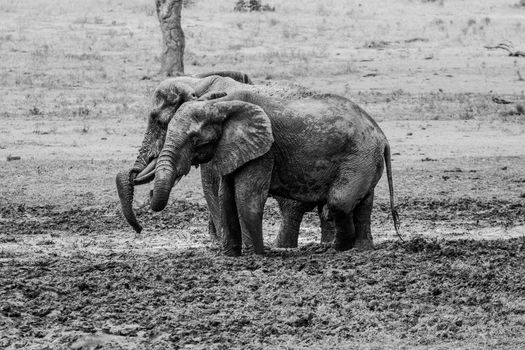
x=76, y=85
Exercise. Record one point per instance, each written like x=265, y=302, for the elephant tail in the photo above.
x=395, y=215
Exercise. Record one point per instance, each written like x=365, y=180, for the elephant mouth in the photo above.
x=147, y=174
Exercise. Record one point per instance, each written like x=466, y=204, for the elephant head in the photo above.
x=227, y=133
x=167, y=98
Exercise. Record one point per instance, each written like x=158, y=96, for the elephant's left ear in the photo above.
x=246, y=135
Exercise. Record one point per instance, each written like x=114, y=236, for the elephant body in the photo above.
x=318, y=150
x=168, y=98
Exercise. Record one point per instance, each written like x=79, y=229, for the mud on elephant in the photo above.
x=168, y=98
x=322, y=150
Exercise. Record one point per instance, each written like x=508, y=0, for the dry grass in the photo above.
x=95, y=53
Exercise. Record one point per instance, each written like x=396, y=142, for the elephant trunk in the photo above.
x=165, y=178
x=125, y=193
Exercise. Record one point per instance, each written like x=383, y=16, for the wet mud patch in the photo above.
x=422, y=293
x=465, y=212
x=21, y=219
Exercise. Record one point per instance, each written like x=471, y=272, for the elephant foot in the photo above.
x=233, y=252
x=286, y=239
x=279, y=243
x=253, y=252
x=250, y=250
x=327, y=236
x=343, y=245
x=364, y=244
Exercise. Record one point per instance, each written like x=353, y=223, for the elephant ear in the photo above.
x=246, y=135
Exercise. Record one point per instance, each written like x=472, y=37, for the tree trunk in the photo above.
x=169, y=15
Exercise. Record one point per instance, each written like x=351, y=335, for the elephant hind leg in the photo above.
x=292, y=213
x=327, y=224
x=345, y=195
x=344, y=229
x=362, y=218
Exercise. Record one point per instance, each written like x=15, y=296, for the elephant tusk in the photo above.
x=176, y=181
x=147, y=174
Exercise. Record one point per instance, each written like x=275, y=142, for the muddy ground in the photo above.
x=74, y=98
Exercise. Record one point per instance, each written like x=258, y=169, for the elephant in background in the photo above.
x=235, y=75
x=321, y=150
x=169, y=96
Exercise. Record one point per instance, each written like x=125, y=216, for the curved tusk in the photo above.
x=176, y=181
x=147, y=174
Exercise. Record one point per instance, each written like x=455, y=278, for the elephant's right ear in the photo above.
x=246, y=135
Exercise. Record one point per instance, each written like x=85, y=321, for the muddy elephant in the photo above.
x=320, y=150
x=168, y=98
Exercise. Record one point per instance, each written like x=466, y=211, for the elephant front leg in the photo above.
x=292, y=213
x=231, y=238
x=210, y=186
x=212, y=230
x=252, y=182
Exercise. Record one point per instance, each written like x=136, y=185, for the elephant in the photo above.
x=168, y=97
x=235, y=75
x=319, y=150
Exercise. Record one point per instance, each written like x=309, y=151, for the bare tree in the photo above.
x=172, y=56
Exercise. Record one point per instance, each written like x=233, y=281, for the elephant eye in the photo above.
x=172, y=100
x=196, y=141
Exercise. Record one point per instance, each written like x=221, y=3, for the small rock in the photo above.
x=125, y=330
x=10, y=158
x=455, y=170
x=300, y=321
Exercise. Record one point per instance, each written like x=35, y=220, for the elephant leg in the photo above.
x=362, y=218
x=343, y=198
x=344, y=229
x=212, y=230
x=210, y=186
x=231, y=237
x=292, y=213
x=252, y=183
x=327, y=224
